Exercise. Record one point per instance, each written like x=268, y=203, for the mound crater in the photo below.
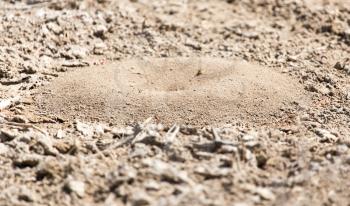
x=196, y=91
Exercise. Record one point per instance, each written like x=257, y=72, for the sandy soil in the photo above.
x=165, y=102
x=193, y=91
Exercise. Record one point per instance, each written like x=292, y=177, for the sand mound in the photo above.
x=185, y=90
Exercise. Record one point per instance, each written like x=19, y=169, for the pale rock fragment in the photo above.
x=77, y=187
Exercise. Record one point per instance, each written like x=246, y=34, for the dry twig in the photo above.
x=171, y=134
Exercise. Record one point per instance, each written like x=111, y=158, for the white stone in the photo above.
x=3, y=149
x=60, y=134
x=265, y=193
x=77, y=187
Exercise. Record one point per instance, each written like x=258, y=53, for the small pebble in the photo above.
x=265, y=193
x=76, y=187
x=60, y=134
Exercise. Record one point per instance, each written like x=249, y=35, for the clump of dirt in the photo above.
x=197, y=91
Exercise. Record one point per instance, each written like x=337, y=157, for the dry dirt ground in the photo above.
x=137, y=102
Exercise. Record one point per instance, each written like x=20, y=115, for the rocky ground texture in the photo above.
x=302, y=159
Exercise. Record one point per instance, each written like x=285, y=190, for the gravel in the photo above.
x=303, y=158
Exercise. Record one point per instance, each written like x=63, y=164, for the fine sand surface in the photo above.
x=197, y=91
